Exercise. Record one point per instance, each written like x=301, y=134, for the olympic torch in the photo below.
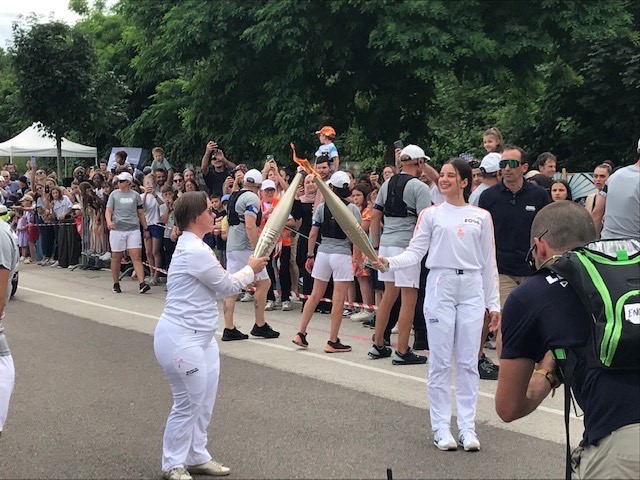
x=348, y=223
x=277, y=220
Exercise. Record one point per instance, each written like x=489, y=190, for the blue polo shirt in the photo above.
x=513, y=214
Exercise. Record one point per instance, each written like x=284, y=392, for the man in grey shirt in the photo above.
x=400, y=200
x=9, y=257
x=489, y=168
x=619, y=203
x=243, y=214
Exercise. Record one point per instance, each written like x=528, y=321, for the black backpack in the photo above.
x=394, y=205
x=232, y=215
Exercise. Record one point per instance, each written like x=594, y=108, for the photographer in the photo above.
x=215, y=177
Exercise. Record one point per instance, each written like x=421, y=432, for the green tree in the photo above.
x=55, y=73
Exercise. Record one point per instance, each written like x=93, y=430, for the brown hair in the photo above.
x=157, y=150
x=188, y=207
x=494, y=132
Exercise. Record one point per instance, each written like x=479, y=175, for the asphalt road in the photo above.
x=90, y=401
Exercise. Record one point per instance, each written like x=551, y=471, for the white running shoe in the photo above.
x=271, y=305
x=394, y=330
x=105, y=257
x=247, y=297
x=361, y=316
x=444, y=440
x=54, y=264
x=469, y=441
x=178, y=473
x=286, y=306
x=211, y=468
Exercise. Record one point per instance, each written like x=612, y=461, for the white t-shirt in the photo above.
x=328, y=148
x=456, y=238
x=474, y=198
x=151, y=209
x=195, y=282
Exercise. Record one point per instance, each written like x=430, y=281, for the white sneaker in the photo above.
x=286, y=306
x=105, y=257
x=178, y=473
x=54, y=264
x=469, y=441
x=394, y=329
x=361, y=316
x=444, y=440
x=271, y=305
x=211, y=468
x=247, y=297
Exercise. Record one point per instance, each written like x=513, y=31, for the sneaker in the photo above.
x=247, y=297
x=144, y=287
x=271, y=305
x=394, y=330
x=42, y=262
x=286, y=306
x=301, y=340
x=21, y=258
x=264, y=331
x=105, y=257
x=230, y=334
x=153, y=281
x=72, y=267
x=487, y=369
x=116, y=288
x=27, y=261
x=178, y=473
x=371, y=323
x=347, y=312
x=361, y=316
x=54, y=264
x=336, y=347
x=278, y=302
x=377, y=352
x=444, y=440
x=409, y=358
x=211, y=468
x=469, y=441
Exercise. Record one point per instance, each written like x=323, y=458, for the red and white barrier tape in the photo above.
x=302, y=296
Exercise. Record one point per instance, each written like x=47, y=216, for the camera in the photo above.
x=270, y=158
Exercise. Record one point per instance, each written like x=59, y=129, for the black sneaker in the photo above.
x=487, y=369
x=387, y=341
x=116, y=288
x=230, y=334
x=301, y=340
x=144, y=287
x=336, y=347
x=408, y=358
x=264, y=331
x=377, y=352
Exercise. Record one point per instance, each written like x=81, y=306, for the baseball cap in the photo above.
x=266, y=184
x=327, y=131
x=531, y=173
x=125, y=176
x=490, y=163
x=225, y=198
x=76, y=206
x=253, y=176
x=413, y=152
x=340, y=180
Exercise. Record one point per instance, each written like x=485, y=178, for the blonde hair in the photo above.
x=152, y=178
x=495, y=133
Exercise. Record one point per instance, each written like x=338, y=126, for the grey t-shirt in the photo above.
x=247, y=207
x=125, y=210
x=334, y=245
x=622, y=210
x=9, y=256
x=474, y=198
x=398, y=231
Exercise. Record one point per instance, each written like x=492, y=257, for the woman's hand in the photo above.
x=257, y=264
x=381, y=264
x=494, y=323
x=308, y=265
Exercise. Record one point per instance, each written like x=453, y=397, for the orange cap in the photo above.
x=327, y=131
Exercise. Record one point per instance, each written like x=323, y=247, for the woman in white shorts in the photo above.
x=462, y=282
x=124, y=215
x=333, y=260
x=184, y=341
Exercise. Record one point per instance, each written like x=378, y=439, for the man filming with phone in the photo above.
x=215, y=168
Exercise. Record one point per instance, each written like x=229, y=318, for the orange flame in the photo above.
x=303, y=162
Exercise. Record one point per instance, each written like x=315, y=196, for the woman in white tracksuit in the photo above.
x=462, y=282
x=184, y=343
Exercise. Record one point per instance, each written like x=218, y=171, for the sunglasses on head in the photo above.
x=530, y=261
x=511, y=162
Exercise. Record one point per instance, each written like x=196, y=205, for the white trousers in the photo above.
x=191, y=362
x=7, y=378
x=454, y=314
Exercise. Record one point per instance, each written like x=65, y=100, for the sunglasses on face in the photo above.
x=530, y=261
x=511, y=162
x=176, y=180
x=120, y=181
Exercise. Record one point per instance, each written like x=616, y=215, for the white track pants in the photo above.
x=7, y=378
x=454, y=313
x=191, y=361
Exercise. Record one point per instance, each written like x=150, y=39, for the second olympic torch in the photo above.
x=277, y=220
x=348, y=223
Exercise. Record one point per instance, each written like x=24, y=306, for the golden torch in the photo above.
x=348, y=223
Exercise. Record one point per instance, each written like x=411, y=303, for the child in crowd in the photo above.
x=492, y=140
x=326, y=135
x=151, y=202
x=169, y=234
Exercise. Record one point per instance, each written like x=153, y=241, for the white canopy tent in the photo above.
x=34, y=142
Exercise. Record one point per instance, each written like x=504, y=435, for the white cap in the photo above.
x=340, y=180
x=76, y=206
x=531, y=173
x=490, y=163
x=268, y=184
x=253, y=176
x=413, y=152
x=125, y=176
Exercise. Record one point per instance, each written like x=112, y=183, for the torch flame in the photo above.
x=303, y=162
